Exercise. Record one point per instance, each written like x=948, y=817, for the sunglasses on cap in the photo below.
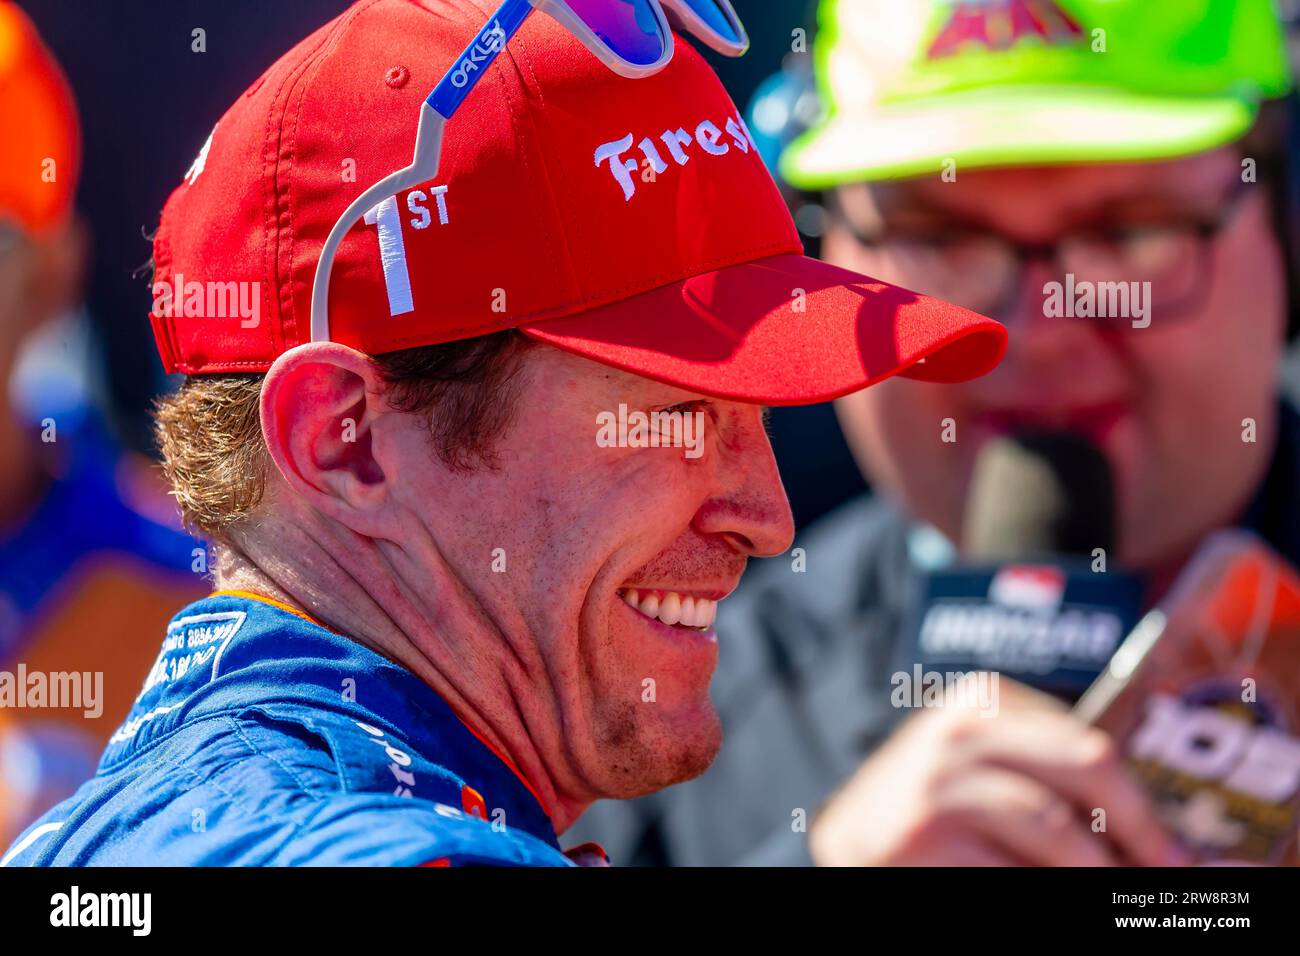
x=631, y=37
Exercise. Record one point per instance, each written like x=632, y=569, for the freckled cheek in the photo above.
x=662, y=478
x=623, y=507
x=747, y=447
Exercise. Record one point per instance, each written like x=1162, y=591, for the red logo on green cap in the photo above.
x=1001, y=24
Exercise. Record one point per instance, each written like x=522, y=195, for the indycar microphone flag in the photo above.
x=1051, y=626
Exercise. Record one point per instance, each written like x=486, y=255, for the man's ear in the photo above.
x=320, y=402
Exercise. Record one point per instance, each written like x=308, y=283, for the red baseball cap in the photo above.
x=628, y=221
x=40, y=148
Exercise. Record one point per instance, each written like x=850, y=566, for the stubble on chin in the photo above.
x=643, y=754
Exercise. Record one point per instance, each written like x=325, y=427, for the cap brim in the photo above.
x=787, y=330
x=1011, y=126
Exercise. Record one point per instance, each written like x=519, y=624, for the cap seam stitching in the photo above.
x=162, y=271
x=311, y=67
x=271, y=139
x=551, y=174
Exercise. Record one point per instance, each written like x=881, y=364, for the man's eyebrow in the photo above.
x=1161, y=202
x=920, y=212
x=894, y=203
x=913, y=214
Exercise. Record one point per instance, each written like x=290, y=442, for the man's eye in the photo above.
x=684, y=407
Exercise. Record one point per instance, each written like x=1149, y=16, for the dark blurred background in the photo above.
x=147, y=103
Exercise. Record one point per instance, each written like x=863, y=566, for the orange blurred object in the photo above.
x=39, y=137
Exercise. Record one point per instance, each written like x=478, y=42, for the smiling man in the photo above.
x=995, y=153
x=451, y=613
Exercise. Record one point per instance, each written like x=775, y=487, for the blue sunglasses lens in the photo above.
x=719, y=18
x=628, y=27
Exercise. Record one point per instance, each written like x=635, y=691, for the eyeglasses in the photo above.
x=632, y=38
x=984, y=271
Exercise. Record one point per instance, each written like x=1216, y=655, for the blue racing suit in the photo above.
x=263, y=738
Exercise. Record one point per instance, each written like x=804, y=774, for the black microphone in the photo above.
x=1033, y=597
x=1039, y=493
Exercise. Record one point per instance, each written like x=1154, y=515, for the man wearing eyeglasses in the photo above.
x=479, y=439
x=1102, y=178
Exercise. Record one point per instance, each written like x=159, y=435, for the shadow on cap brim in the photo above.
x=746, y=333
x=1012, y=126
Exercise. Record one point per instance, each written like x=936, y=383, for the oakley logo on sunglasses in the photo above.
x=708, y=137
x=490, y=42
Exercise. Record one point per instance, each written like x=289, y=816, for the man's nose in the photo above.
x=1026, y=302
x=1037, y=337
x=750, y=508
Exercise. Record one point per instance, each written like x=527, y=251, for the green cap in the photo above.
x=911, y=84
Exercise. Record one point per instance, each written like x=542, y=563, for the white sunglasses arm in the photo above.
x=424, y=166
